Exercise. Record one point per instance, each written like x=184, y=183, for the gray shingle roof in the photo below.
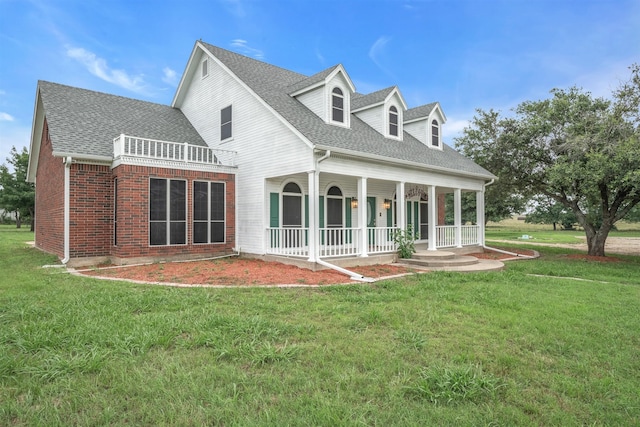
x=310, y=81
x=420, y=112
x=359, y=101
x=273, y=84
x=86, y=122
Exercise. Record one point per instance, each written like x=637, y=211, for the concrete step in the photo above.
x=479, y=266
x=434, y=255
x=456, y=261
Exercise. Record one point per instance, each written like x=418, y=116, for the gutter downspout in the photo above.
x=351, y=274
x=67, y=180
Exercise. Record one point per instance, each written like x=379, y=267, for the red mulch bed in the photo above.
x=239, y=272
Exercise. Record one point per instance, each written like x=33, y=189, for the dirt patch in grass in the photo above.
x=488, y=254
x=593, y=258
x=239, y=272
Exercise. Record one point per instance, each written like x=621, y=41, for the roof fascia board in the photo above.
x=308, y=88
x=368, y=106
x=437, y=107
x=404, y=163
x=340, y=69
x=257, y=97
x=186, y=76
x=36, y=129
x=394, y=92
x=77, y=157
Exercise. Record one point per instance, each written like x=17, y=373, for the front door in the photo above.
x=334, y=215
x=371, y=219
x=424, y=221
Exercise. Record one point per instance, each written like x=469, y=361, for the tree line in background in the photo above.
x=17, y=196
x=575, y=156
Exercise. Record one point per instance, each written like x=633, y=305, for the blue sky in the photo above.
x=466, y=54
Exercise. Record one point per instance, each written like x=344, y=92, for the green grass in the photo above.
x=502, y=348
x=513, y=229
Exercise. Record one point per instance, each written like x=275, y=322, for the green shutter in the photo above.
x=306, y=218
x=347, y=218
x=321, y=221
x=409, y=214
x=416, y=211
x=274, y=217
x=274, y=210
x=390, y=216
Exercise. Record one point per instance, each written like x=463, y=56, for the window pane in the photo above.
x=393, y=129
x=334, y=212
x=291, y=211
x=292, y=187
x=225, y=131
x=338, y=115
x=225, y=115
x=158, y=199
x=334, y=191
x=217, y=201
x=200, y=232
x=178, y=233
x=178, y=200
x=217, y=232
x=158, y=233
x=200, y=200
x=338, y=102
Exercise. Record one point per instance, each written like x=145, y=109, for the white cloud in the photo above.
x=5, y=117
x=377, y=50
x=235, y=7
x=243, y=47
x=454, y=127
x=170, y=76
x=99, y=68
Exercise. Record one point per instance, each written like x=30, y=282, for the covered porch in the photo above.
x=331, y=216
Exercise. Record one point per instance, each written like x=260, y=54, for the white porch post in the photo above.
x=401, y=207
x=432, y=216
x=362, y=216
x=314, y=216
x=480, y=216
x=457, y=214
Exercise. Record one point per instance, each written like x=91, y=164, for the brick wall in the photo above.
x=49, y=221
x=91, y=210
x=133, y=213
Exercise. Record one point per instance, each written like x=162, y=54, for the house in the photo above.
x=249, y=158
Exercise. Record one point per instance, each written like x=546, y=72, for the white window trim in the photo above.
x=221, y=124
x=204, y=68
x=430, y=130
x=209, y=220
x=346, y=107
x=168, y=219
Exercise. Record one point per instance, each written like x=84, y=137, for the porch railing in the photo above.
x=125, y=145
x=470, y=235
x=446, y=235
x=288, y=241
x=380, y=240
x=339, y=242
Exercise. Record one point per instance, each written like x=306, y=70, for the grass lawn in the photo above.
x=501, y=348
x=513, y=229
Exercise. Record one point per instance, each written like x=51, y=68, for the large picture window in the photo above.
x=167, y=212
x=208, y=212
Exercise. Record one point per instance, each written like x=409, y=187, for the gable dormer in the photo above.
x=425, y=124
x=328, y=94
x=382, y=110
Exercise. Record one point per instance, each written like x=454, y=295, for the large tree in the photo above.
x=581, y=151
x=16, y=194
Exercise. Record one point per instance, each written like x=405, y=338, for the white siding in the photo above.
x=265, y=146
x=418, y=130
x=315, y=101
x=374, y=117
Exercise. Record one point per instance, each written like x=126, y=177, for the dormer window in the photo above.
x=393, y=121
x=435, y=133
x=205, y=68
x=337, y=105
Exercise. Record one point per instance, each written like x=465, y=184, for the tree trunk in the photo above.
x=597, y=239
x=18, y=220
x=554, y=226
